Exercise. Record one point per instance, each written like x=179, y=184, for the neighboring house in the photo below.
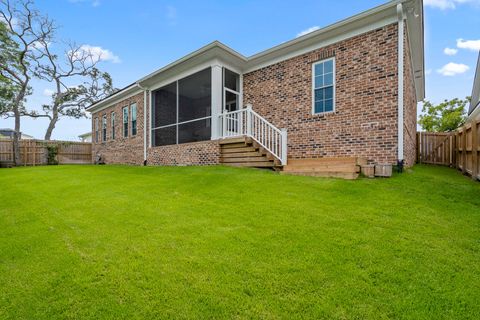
x=474, y=110
x=7, y=133
x=86, y=137
x=347, y=90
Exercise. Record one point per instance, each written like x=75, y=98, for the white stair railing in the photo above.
x=246, y=122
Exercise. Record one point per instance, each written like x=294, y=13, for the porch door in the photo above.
x=231, y=100
x=231, y=91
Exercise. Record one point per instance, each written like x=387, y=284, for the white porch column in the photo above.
x=217, y=103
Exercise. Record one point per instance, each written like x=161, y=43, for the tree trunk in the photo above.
x=51, y=126
x=17, y=135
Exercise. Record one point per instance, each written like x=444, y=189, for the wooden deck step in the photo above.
x=341, y=175
x=246, y=159
x=242, y=154
x=238, y=150
x=263, y=164
x=232, y=140
x=342, y=167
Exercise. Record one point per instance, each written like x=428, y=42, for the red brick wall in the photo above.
x=194, y=153
x=121, y=150
x=409, y=110
x=364, y=123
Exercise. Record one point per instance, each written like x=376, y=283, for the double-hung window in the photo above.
x=323, y=74
x=112, y=119
x=133, y=110
x=96, y=130
x=104, y=128
x=125, y=122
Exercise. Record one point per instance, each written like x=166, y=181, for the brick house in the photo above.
x=330, y=94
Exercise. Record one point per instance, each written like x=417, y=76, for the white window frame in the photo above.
x=96, y=130
x=131, y=119
x=112, y=124
x=104, y=128
x=333, y=83
x=123, y=122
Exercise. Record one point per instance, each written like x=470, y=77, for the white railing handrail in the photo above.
x=246, y=122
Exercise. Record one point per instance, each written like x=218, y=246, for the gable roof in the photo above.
x=363, y=22
x=475, y=102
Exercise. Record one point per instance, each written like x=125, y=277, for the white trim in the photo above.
x=145, y=125
x=113, y=99
x=400, y=68
x=334, y=84
x=151, y=119
x=182, y=75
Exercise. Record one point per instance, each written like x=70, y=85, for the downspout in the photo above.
x=144, y=124
x=400, y=153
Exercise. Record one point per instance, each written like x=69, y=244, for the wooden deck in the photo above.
x=345, y=168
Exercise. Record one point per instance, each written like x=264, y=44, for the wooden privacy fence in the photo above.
x=459, y=149
x=34, y=152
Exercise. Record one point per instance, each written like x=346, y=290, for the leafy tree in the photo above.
x=26, y=27
x=444, y=117
x=8, y=52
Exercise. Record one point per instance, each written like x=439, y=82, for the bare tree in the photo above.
x=77, y=64
x=27, y=28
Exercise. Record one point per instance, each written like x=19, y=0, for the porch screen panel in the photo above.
x=195, y=96
x=165, y=136
x=165, y=111
x=182, y=110
x=199, y=130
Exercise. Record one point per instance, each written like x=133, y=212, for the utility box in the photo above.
x=383, y=170
x=368, y=170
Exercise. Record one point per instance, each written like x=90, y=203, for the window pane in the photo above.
x=231, y=101
x=194, y=131
x=328, y=93
x=165, y=105
x=328, y=105
x=134, y=112
x=125, y=115
x=318, y=69
x=328, y=66
x=165, y=136
x=328, y=79
x=195, y=96
x=319, y=81
x=231, y=80
x=318, y=106
x=318, y=94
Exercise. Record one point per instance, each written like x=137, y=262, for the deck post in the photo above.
x=284, y=146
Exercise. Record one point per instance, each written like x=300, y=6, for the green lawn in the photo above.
x=118, y=242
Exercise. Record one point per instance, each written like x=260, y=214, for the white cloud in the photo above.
x=306, y=31
x=448, y=4
x=452, y=69
x=98, y=53
x=428, y=72
x=473, y=45
x=94, y=3
x=450, y=51
x=48, y=92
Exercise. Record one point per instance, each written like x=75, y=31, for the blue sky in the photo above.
x=137, y=37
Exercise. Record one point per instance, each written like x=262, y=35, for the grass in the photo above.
x=118, y=242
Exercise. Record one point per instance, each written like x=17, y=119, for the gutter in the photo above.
x=144, y=123
x=400, y=153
